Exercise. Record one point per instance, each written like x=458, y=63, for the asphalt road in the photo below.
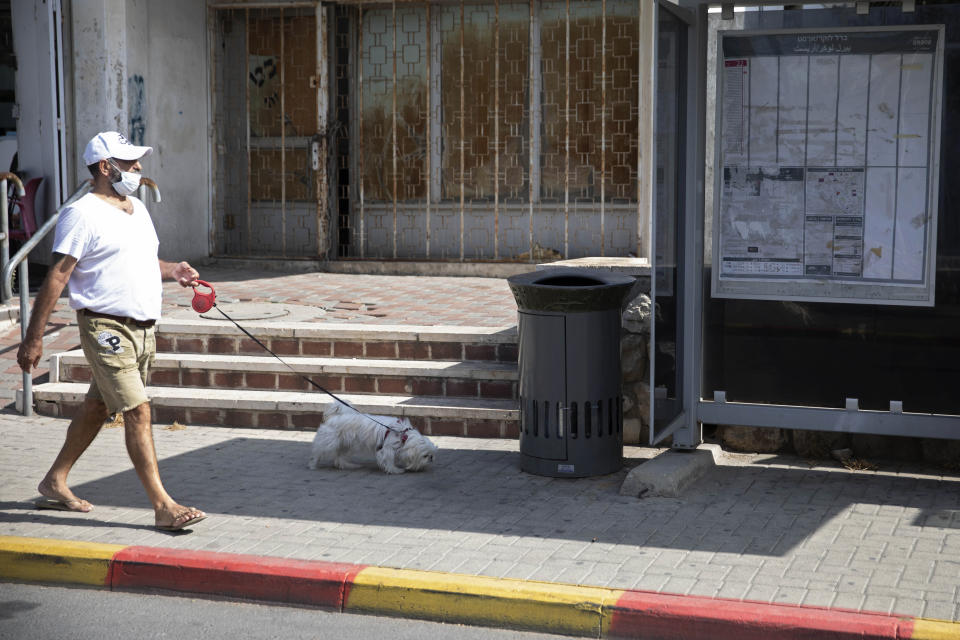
x=37, y=612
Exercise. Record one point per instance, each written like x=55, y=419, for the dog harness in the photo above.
x=400, y=432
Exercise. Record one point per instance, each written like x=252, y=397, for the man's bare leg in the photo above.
x=138, y=433
x=80, y=434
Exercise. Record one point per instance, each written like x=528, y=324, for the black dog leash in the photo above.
x=203, y=302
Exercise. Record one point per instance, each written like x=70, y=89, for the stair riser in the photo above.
x=380, y=349
x=391, y=385
x=305, y=421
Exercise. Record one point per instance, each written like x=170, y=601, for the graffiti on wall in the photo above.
x=264, y=96
x=137, y=109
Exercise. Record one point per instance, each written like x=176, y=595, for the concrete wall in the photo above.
x=38, y=138
x=140, y=66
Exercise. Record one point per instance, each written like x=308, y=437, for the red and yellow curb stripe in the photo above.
x=447, y=597
x=41, y=560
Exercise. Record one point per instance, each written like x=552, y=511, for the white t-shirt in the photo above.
x=117, y=270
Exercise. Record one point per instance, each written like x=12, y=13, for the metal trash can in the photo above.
x=571, y=416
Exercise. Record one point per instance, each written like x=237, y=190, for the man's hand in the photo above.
x=29, y=354
x=185, y=274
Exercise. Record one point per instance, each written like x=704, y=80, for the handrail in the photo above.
x=147, y=183
x=20, y=259
x=35, y=239
x=5, y=213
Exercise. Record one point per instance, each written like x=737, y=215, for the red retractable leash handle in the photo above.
x=203, y=302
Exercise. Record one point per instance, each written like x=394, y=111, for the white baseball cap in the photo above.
x=111, y=144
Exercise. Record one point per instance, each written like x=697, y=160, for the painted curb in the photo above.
x=42, y=560
x=322, y=584
x=447, y=597
x=479, y=600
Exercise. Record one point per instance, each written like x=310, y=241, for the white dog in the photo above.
x=347, y=435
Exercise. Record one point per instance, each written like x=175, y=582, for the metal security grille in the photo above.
x=487, y=131
x=267, y=196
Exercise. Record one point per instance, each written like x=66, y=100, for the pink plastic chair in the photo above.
x=28, y=219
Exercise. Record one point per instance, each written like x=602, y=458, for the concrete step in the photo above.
x=340, y=340
x=474, y=378
x=474, y=417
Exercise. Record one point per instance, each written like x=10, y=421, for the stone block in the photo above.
x=633, y=357
x=636, y=315
x=873, y=447
x=753, y=439
x=818, y=444
x=381, y=349
x=670, y=473
x=636, y=402
x=943, y=453
x=348, y=349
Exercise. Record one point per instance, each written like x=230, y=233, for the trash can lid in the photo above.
x=566, y=289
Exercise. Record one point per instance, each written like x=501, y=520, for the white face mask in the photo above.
x=128, y=183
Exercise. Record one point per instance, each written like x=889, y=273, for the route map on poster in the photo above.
x=826, y=169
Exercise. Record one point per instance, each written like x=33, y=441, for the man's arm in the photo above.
x=31, y=349
x=182, y=272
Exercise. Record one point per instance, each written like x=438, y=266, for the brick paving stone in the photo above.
x=763, y=593
x=650, y=582
x=733, y=590
x=848, y=600
x=678, y=585
x=789, y=595
x=818, y=598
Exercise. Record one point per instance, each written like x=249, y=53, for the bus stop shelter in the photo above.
x=805, y=252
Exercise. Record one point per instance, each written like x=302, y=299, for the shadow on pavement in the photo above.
x=750, y=510
x=26, y=512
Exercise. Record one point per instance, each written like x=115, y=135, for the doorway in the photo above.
x=266, y=114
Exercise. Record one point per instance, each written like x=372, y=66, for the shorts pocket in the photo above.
x=107, y=344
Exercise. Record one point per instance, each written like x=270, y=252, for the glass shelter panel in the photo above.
x=667, y=357
x=819, y=354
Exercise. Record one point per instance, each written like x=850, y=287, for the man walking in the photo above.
x=105, y=248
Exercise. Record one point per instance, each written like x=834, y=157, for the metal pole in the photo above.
x=4, y=225
x=145, y=184
x=5, y=219
x=24, y=317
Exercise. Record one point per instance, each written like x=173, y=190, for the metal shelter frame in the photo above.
x=694, y=407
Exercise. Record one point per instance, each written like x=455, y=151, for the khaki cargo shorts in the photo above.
x=120, y=355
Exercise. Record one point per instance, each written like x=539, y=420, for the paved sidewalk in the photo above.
x=759, y=527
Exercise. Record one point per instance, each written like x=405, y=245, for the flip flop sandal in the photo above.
x=59, y=505
x=181, y=526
